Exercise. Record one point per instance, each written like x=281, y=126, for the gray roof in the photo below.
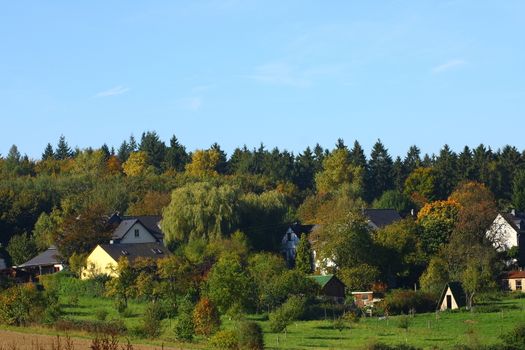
x=382, y=217
x=133, y=251
x=46, y=258
x=149, y=222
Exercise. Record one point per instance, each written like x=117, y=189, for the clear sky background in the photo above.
x=285, y=73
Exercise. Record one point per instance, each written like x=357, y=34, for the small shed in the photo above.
x=453, y=297
x=514, y=281
x=331, y=286
x=44, y=263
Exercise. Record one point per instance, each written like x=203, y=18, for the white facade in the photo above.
x=503, y=235
x=138, y=234
x=448, y=302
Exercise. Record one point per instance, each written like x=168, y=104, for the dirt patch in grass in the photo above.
x=10, y=340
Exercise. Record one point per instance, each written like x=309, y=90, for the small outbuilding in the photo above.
x=331, y=286
x=453, y=297
x=44, y=263
x=514, y=281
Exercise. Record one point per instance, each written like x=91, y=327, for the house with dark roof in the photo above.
x=136, y=229
x=291, y=239
x=379, y=218
x=453, y=297
x=513, y=281
x=508, y=231
x=44, y=263
x=103, y=260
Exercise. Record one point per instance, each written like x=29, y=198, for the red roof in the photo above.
x=514, y=274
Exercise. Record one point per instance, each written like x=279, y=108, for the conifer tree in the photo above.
x=303, y=257
x=380, y=175
x=176, y=155
x=154, y=148
x=48, y=152
x=63, y=151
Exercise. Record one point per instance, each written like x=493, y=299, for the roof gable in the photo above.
x=381, y=217
x=457, y=292
x=125, y=227
x=323, y=280
x=48, y=257
x=133, y=251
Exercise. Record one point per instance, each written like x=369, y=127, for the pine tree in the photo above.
x=222, y=167
x=48, y=152
x=155, y=149
x=305, y=169
x=357, y=155
x=63, y=151
x=465, y=168
x=303, y=257
x=400, y=174
x=380, y=175
x=445, y=167
x=123, y=152
x=176, y=155
x=412, y=159
x=518, y=191
x=340, y=144
x=105, y=150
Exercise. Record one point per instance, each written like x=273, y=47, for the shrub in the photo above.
x=515, y=339
x=224, y=340
x=21, y=304
x=291, y=310
x=250, y=336
x=206, y=317
x=406, y=301
x=151, y=321
x=114, y=327
x=184, y=328
x=383, y=346
x=101, y=314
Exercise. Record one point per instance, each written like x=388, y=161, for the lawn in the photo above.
x=432, y=330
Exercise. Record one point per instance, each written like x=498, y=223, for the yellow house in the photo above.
x=103, y=260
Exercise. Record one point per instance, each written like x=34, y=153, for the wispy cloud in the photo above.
x=448, y=65
x=190, y=103
x=114, y=91
x=283, y=73
x=279, y=73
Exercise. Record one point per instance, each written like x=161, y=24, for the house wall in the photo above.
x=334, y=288
x=506, y=235
x=443, y=305
x=99, y=263
x=144, y=235
x=512, y=284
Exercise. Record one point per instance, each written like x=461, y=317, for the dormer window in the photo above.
x=137, y=233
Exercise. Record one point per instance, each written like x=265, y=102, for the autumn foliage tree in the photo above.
x=437, y=220
x=206, y=318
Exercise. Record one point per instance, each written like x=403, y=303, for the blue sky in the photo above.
x=286, y=73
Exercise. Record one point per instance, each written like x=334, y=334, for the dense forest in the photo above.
x=63, y=197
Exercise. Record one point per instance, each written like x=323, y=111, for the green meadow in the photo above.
x=487, y=324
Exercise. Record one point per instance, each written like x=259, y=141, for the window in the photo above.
x=137, y=232
x=518, y=284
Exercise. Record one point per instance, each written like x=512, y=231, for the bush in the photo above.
x=291, y=310
x=184, y=328
x=21, y=304
x=515, y=339
x=69, y=286
x=115, y=327
x=206, y=317
x=151, y=321
x=101, y=314
x=406, y=301
x=224, y=340
x=250, y=336
x=383, y=346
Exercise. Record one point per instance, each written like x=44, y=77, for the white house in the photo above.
x=506, y=229
x=136, y=229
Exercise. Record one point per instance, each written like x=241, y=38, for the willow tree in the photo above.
x=200, y=211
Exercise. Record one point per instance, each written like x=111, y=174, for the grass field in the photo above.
x=443, y=330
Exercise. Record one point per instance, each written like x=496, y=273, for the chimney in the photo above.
x=513, y=212
x=412, y=212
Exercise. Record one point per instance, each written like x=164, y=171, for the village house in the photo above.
x=103, y=260
x=513, y=281
x=376, y=218
x=44, y=263
x=508, y=231
x=331, y=286
x=136, y=229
